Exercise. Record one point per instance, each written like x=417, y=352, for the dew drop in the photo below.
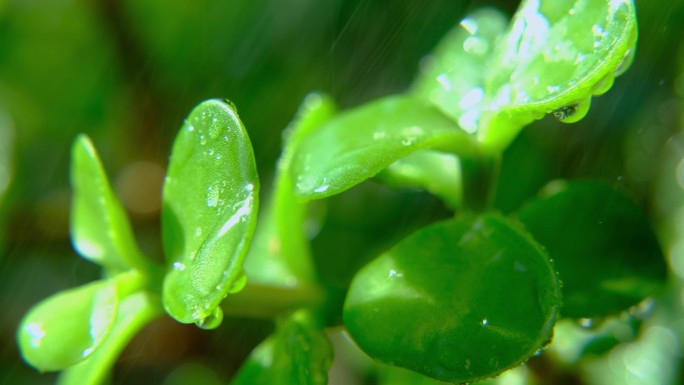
x=212, y=321
x=573, y=112
x=203, y=139
x=238, y=284
x=625, y=63
x=585, y=323
x=215, y=129
x=603, y=85
x=179, y=266
x=213, y=193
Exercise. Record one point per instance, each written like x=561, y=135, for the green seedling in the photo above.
x=460, y=300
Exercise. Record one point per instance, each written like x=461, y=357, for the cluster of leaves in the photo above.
x=459, y=300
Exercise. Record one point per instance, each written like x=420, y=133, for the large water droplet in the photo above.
x=603, y=85
x=573, y=112
x=625, y=63
x=212, y=321
x=239, y=283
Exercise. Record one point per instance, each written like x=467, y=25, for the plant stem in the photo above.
x=479, y=175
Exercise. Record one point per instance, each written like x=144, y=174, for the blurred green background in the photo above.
x=126, y=72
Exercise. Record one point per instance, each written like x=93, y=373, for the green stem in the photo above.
x=479, y=175
x=262, y=301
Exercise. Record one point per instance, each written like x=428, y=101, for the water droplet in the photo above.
x=191, y=128
x=625, y=63
x=215, y=129
x=585, y=323
x=574, y=112
x=485, y=322
x=203, y=139
x=470, y=25
x=603, y=85
x=476, y=46
x=179, y=266
x=198, y=232
x=213, y=193
x=322, y=188
x=239, y=283
x=249, y=187
x=212, y=321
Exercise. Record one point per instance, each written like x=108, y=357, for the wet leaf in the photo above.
x=459, y=301
x=100, y=230
x=298, y=353
x=604, y=249
x=554, y=58
x=68, y=327
x=134, y=313
x=357, y=144
x=452, y=77
x=209, y=214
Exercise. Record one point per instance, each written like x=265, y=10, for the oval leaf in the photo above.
x=100, y=230
x=556, y=55
x=69, y=326
x=135, y=311
x=209, y=213
x=459, y=301
x=604, y=249
x=358, y=144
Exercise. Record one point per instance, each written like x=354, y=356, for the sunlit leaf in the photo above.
x=298, y=353
x=134, y=313
x=603, y=246
x=209, y=213
x=453, y=76
x=459, y=301
x=357, y=144
x=555, y=56
x=100, y=230
x=68, y=327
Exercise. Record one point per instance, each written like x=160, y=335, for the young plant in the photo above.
x=460, y=300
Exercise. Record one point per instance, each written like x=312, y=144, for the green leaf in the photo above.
x=453, y=78
x=134, y=313
x=359, y=143
x=556, y=55
x=280, y=254
x=297, y=354
x=68, y=327
x=604, y=249
x=459, y=301
x=209, y=213
x=434, y=171
x=100, y=230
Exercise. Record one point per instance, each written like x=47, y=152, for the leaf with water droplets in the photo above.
x=100, y=230
x=135, y=311
x=452, y=77
x=69, y=326
x=459, y=301
x=209, y=214
x=357, y=144
x=297, y=353
x=555, y=56
x=604, y=249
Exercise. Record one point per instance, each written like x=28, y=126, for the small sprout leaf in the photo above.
x=459, y=301
x=68, y=327
x=209, y=214
x=297, y=353
x=100, y=230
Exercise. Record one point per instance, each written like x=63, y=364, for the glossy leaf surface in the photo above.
x=209, y=214
x=280, y=254
x=459, y=301
x=433, y=171
x=453, y=77
x=604, y=249
x=359, y=143
x=555, y=56
x=134, y=313
x=298, y=353
x=100, y=230
x=69, y=326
